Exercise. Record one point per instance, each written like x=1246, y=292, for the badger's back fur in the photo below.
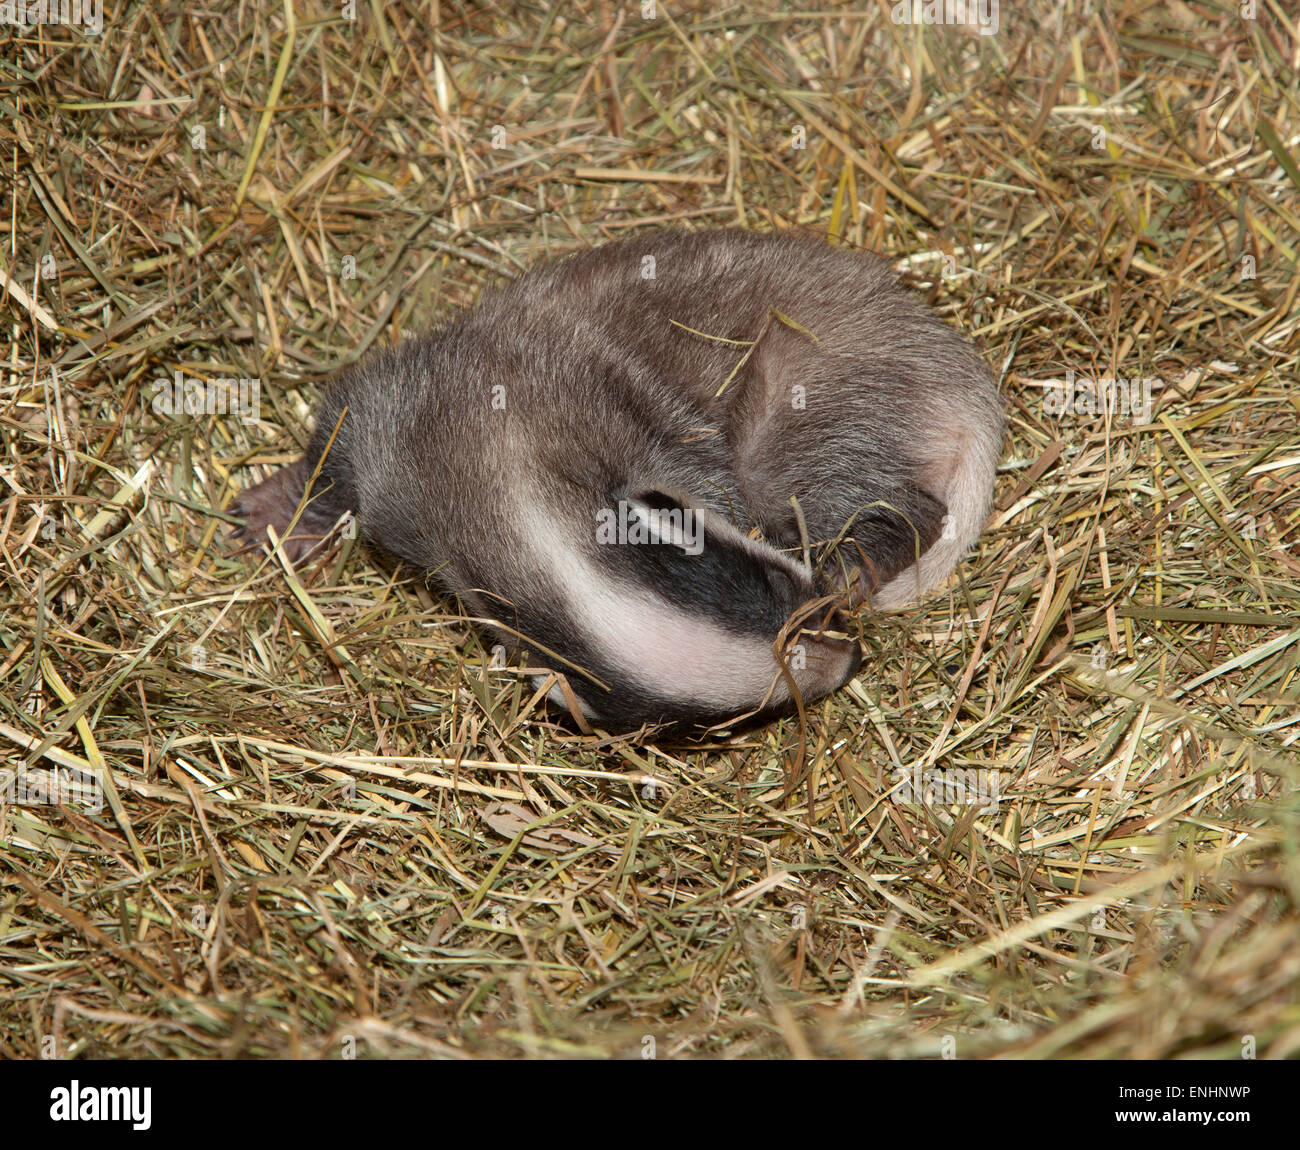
x=509, y=453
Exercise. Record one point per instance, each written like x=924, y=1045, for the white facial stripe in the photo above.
x=671, y=653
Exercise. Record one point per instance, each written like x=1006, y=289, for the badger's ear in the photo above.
x=665, y=519
x=675, y=519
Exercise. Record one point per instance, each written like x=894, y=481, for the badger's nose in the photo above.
x=822, y=664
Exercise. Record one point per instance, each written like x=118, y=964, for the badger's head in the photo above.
x=676, y=617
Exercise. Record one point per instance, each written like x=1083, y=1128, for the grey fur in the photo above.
x=484, y=453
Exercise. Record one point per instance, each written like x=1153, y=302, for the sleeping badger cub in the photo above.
x=664, y=466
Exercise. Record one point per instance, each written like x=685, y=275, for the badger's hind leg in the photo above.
x=275, y=501
x=883, y=540
x=962, y=463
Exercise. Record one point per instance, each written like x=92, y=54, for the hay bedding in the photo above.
x=1055, y=817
